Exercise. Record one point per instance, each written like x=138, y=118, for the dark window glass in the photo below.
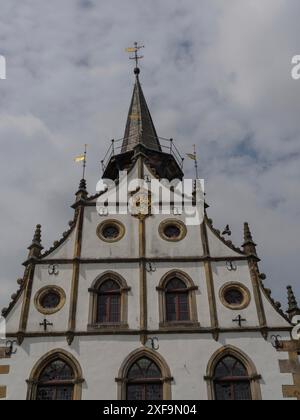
x=231, y=380
x=144, y=381
x=172, y=231
x=109, y=303
x=50, y=301
x=177, y=301
x=234, y=297
x=111, y=232
x=56, y=382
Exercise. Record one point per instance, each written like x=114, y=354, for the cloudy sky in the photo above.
x=216, y=73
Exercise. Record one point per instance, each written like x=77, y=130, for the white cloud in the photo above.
x=216, y=73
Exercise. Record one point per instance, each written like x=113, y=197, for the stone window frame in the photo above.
x=94, y=293
x=178, y=223
x=242, y=289
x=44, y=361
x=133, y=357
x=191, y=290
x=103, y=225
x=238, y=354
x=40, y=294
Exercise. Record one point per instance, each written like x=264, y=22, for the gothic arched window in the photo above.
x=108, y=301
x=144, y=381
x=177, y=301
x=56, y=377
x=231, y=380
x=144, y=375
x=56, y=382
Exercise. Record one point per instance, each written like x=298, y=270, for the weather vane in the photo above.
x=135, y=50
x=82, y=158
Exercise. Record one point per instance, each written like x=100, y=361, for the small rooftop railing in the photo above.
x=166, y=145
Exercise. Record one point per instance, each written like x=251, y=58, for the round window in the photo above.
x=50, y=300
x=172, y=230
x=111, y=231
x=235, y=296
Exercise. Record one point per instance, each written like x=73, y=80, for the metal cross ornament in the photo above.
x=46, y=324
x=239, y=320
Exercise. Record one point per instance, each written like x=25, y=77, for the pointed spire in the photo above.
x=36, y=246
x=82, y=192
x=140, y=129
x=293, y=305
x=82, y=185
x=249, y=245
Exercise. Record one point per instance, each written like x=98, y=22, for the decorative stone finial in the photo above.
x=249, y=245
x=82, y=185
x=36, y=246
x=82, y=191
x=293, y=305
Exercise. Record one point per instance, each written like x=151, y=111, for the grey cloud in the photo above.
x=215, y=73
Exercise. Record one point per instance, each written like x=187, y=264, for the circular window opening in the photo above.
x=235, y=296
x=172, y=230
x=50, y=300
x=111, y=231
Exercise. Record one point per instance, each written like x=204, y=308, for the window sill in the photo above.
x=178, y=325
x=109, y=326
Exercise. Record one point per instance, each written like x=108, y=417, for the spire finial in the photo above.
x=247, y=233
x=136, y=56
x=82, y=158
x=36, y=245
x=249, y=245
x=37, y=238
x=293, y=305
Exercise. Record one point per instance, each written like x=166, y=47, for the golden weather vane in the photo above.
x=135, y=50
x=82, y=158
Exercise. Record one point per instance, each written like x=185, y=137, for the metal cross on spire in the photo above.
x=136, y=56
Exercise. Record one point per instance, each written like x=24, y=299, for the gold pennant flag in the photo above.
x=80, y=158
x=131, y=50
x=192, y=156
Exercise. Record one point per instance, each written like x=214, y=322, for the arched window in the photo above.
x=232, y=376
x=231, y=380
x=108, y=302
x=144, y=381
x=56, y=377
x=144, y=375
x=177, y=300
x=56, y=382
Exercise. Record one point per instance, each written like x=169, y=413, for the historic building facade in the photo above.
x=145, y=307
